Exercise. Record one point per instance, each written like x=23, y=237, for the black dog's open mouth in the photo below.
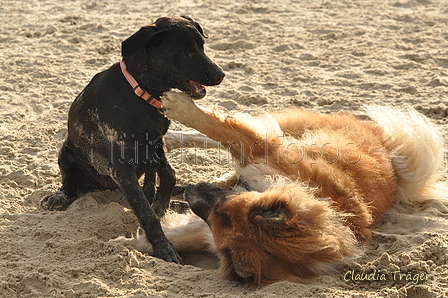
x=195, y=90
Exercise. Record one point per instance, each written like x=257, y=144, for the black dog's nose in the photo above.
x=219, y=77
x=219, y=80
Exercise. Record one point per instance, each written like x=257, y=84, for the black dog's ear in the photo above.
x=203, y=33
x=145, y=37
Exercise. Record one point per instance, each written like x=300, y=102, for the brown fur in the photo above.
x=360, y=183
x=339, y=181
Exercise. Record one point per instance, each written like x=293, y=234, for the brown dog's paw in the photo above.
x=178, y=106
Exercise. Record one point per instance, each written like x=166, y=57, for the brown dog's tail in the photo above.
x=417, y=150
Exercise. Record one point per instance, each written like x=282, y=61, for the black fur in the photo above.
x=114, y=137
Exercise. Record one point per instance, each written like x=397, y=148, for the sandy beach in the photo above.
x=323, y=55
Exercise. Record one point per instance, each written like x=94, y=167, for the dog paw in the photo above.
x=167, y=253
x=58, y=201
x=178, y=106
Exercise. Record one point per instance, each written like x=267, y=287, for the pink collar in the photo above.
x=140, y=92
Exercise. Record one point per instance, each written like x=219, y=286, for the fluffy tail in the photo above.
x=417, y=152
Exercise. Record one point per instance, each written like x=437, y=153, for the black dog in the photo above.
x=115, y=127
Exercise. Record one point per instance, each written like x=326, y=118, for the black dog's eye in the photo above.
x=187, y=54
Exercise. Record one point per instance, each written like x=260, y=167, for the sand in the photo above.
x=323, y=55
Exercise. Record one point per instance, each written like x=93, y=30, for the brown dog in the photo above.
x=309, y=186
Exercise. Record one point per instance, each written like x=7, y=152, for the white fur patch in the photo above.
x=187, y=232
x=417, y=152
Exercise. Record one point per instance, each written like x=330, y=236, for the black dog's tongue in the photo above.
x=197, y=90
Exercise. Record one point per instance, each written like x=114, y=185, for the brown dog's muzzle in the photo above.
x=202, y=197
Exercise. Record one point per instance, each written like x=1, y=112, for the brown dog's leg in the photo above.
x=243, y=141
x=188, y=139
x=193, y=139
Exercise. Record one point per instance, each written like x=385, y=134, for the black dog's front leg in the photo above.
x=127, y=181
x=149, y=184
x=167, y=181
x=167, y=186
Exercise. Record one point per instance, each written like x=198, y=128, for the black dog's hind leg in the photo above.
x=126, y=179
x=70, y=172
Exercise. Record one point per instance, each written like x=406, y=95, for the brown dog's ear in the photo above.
x=145, y=37
x=203, y=33
x=270, y=220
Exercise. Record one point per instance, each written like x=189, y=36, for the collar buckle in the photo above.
x=140, y=92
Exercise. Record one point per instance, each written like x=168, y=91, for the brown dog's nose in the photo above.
x=202, y=197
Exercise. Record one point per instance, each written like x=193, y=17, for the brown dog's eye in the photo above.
x=225, y=220
x=269, y=219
